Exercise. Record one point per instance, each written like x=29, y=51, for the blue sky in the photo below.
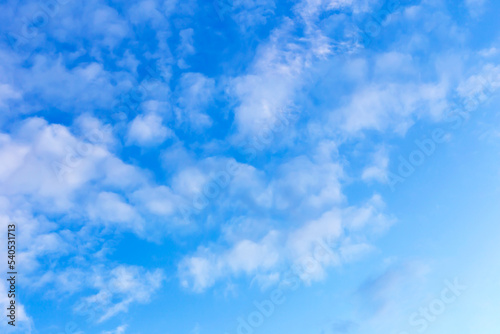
x=251, y=166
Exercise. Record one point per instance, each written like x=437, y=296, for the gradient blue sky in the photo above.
x=171, y=163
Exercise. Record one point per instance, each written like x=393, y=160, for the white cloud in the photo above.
x=285, y=64
x=268, y=89
x=186, y=47
x=118, y=330
x=310, y=10
x=101, y=24
x=147, y=11
x=50, y=170
x=391, y=106
x=23, y=322
x=190, y=181
x=195, y=92
x=8, y=93
x=110, y=208
x=378, y=170
x=118, y=289
x=480, y=86
x=205, y=268
x=159, y=201
x=324, y=240
x=489, y=52
x=247, y=14
x=476, y=7
x=12, y=155
x=148, y=130
x=74, y=89
x=302, y=183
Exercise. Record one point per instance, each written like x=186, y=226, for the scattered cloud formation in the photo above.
x=225, y=142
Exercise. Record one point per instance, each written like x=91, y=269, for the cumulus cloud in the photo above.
x=329, y=240
x=268, y=89
x=302, y=183
x=50, y=170
x=110, y=208
x=380, y=107
x=148, y=130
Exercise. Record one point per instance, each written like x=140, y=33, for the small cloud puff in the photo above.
x=148, y=130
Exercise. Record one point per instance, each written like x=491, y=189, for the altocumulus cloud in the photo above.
x=119, y=118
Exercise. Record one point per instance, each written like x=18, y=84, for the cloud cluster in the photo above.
x=341, y=233
x=120, y=118
x=117, y=289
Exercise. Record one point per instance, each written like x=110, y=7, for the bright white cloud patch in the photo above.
x=148, y=130
x=329, y=240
